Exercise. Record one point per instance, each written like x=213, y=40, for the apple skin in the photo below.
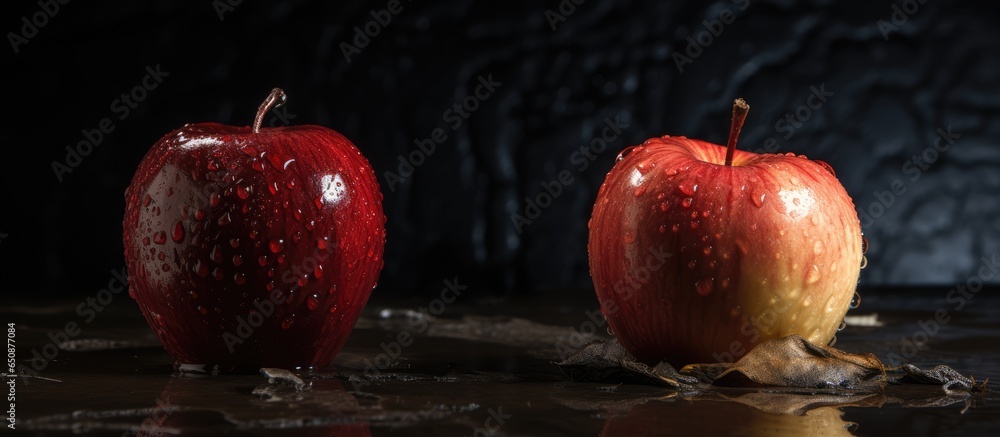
x=253, y=249
x=767, y=247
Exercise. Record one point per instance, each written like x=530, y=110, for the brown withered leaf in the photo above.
x=789, y=362
x=610, y=362
x=793, y=361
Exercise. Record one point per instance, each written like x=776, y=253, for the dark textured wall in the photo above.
x=888, y=91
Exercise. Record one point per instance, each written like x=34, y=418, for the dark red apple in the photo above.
x=251, y=247
x=698, y=252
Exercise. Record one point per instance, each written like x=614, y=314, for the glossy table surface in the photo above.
x=485, y=367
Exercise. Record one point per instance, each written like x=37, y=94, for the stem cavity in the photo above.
x=274, y=100
x=740, y=110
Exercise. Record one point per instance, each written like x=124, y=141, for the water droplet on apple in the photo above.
x=625, y=152
x=239, y=279
x=318, y=271
x=290, y=184
x=199, y=215
x=827, y=166
x=855, y=301
x=225, y=219
x=663, y=228
x=687, y=202
x=692, y=264
x=213, y=166
x=688, y=188
x=297, y=214
x=663, y=206
x=312, y=302
x=200, y=268
x=276, y=161
x=725, y=283
x=202, y=310
x=217, y=254
x=145, y=241
x=817, y=247
x=707, y=250
x=758, y=199
x=165, y=268
x=843, y=324
x=276, y=245
x=629, y=237
x=257, y=165
x=287, y=323
x=218, y=274
x=213, y=200
x=321, y=243
x=813, y=276
x=694, y=225
x=704, y=286
x=237, y=260
x=660, y=196
x=243, y=192
x=161, y=256
x=296, y=237
x=147, y=200
x=281, y=259
x=864, y=262
x=675, y=228
x=864, y=244
x=694, y=215
x=160, y=237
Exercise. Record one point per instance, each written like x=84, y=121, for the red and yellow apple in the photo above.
x=253, y=247
x=699, y=251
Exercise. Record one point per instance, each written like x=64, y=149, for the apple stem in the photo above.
x=274, y=100
x=740, y=110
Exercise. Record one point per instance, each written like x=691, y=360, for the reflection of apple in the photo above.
x=253, y=247
x=722, y=418
x=196, y=406
x=762, y=246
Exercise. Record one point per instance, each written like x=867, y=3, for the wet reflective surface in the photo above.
x=486, y=366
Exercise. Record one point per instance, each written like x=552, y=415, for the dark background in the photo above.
x=941, y=68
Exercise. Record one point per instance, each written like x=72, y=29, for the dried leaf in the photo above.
x=610, y=362
x=794, y=362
